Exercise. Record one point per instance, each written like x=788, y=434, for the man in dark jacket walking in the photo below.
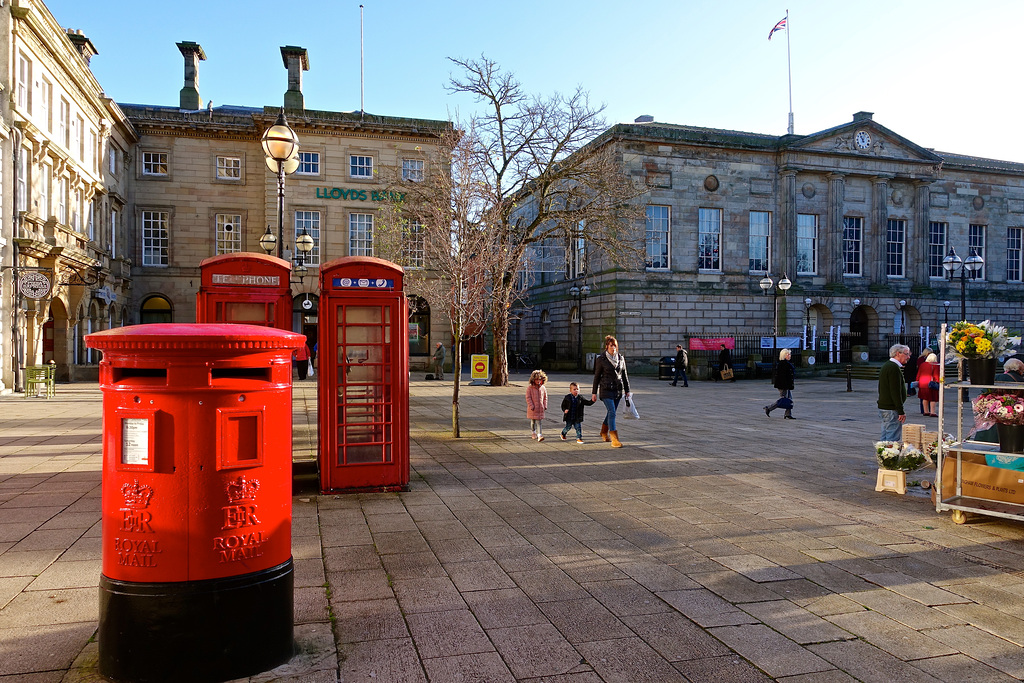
x=681, y=363
x=892, y=393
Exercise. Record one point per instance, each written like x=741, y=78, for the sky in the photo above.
x=944, y=75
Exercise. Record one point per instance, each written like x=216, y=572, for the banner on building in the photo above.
x=711, y=343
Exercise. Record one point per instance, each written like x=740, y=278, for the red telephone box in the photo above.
x=364, y=372
x=197, y=579
x=244, y=287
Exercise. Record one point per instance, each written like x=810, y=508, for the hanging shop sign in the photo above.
x=34, y=285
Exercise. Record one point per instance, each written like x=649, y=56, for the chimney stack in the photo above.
x=188, y=97
x=82, y=44
x=296, y=60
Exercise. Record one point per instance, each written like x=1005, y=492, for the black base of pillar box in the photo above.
x=198, y=631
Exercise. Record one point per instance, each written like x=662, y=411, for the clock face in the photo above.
x=862, y=139
x=34, y=285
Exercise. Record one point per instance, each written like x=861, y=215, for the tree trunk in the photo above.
x=457, y=375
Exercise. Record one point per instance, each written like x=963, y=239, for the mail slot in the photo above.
x=197, y=578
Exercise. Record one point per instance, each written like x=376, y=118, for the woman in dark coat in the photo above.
x=785, y=375
x=724, y=361
x=611, y=380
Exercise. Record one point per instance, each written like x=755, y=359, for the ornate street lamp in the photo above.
x=945, y=313
x=303, y=245
x=579, y=294
x=903, y=319
x=766, y=284
x=281, y=146
x=955, y=268
x=268, y=241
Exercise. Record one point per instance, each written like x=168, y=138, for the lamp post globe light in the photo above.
x=268, y=241
x=281, y=147
x=957, y=268
x=945, y=313
x=903, y=320
x=579, y=294
x=766, y=284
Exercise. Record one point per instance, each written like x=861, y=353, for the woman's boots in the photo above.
x=604, y=432
x=615, y=439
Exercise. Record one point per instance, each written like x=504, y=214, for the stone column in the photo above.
x=917, y=239
x=296, y=60
x=785, y=232
x=830, y=242
x=874, y=264
x=188, y=96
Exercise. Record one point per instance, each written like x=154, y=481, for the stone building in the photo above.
x=857, y=217
x=64, y=190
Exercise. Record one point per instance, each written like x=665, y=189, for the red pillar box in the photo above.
x=246, y=288
x=196, y=525
x=364, y=371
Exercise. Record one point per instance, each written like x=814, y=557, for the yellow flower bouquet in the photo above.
x=984, y=340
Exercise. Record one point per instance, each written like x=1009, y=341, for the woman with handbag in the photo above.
x=928, y=374
x=785, y=376
x=611, y=380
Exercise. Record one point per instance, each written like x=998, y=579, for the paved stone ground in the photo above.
x=718, y=545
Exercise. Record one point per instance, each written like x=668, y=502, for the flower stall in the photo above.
x=974, y=475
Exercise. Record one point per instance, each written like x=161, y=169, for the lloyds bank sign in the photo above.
x=354, y=195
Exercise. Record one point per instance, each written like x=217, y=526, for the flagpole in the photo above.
x=789, y=71
x=362, y=71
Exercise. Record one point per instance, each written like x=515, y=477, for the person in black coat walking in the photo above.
x=785, y=375
x=572, y=411
x=612, y=380
x=724, y=361
x=680, y=366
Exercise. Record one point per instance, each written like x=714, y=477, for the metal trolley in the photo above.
x=963, y=482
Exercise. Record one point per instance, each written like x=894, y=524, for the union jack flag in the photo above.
x=778, y=27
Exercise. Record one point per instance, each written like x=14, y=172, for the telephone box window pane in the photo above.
x=245, y=312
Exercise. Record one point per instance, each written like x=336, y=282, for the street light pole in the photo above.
x=784, y=284
x=579, y=294
x=281, y=146
x=945, y=313
x=955, y=267
x=903, y=319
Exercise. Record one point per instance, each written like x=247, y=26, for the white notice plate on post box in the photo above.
x=134, y=441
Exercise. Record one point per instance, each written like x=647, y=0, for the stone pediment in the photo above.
x=865, y=138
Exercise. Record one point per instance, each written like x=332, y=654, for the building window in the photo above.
x=412, y=170
x=852, y=235
x=976, y=241
x=895, y=246
x=413, y=246
x=90, y=161
x=709, y=239
x=45, y=188
x=24, y=83
x=23, y=184
x=154, y=163
x=229, y=168
x=1014, y=252
x=658, y=233
x=46, y=95
x=419, y=326
x=64, y=134
x=155, y=309
x=155, y=240
x=806, y=244
x=936, y=248
x=310, y=222
x=360, y=166
x=113, y=163
x=760, y=236
x=360, y=234
x=309, y=163
x=113, y=234
x=90, y=220
x=76, y=212
x=229, y=233
x=78, y=139
x=63, y=190
x=576, y=253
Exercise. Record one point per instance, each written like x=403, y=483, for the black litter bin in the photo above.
x=667, y=367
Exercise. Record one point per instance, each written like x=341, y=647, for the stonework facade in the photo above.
x=857, y=217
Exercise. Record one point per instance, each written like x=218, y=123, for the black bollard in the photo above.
x=849, y=378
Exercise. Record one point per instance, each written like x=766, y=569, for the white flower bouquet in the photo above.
x=893, y=455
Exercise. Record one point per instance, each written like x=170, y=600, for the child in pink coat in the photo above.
x=536, y=402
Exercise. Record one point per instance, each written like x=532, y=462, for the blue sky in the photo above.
x=944, y=75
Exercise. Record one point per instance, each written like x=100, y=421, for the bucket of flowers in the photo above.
x=980, y=345
x=895, y=459
x=1005, y=410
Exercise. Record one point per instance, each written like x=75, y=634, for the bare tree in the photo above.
x=544, y=178
x=435, y=227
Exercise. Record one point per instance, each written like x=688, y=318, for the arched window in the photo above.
x=155, y=309
x=92, y=324
x=419, y=326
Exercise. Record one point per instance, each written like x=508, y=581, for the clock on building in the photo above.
x=34, y=285
x=862, y=139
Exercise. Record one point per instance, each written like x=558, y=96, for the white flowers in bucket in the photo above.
x=893, y=455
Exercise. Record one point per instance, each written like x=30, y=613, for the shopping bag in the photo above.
x=311, y=371
x=933, y=385
x=628, y=408
x=786, y=403
x=727, y=373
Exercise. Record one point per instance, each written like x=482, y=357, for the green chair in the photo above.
x=40, y=376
